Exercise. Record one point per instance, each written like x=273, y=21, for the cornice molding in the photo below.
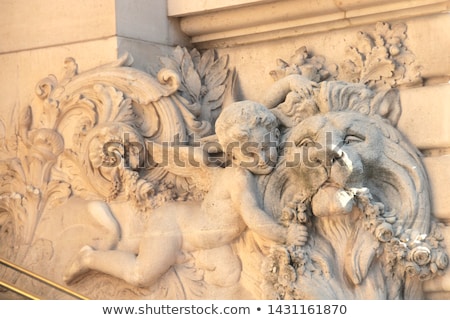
x=254, y=21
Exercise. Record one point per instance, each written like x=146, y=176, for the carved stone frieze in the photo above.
x=380, y=60
x=127, y=185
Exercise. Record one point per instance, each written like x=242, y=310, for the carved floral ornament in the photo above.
x=123, y=184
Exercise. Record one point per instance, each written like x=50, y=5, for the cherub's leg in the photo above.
x=78, y=266
x=104, y=220
x=222, y=266
x=158, y=251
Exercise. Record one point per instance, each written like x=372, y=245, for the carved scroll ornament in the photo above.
x=122, y=184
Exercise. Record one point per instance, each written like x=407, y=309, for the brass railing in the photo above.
x=33, y=275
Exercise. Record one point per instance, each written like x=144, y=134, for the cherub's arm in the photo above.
x=244, y=197
x=278, y=91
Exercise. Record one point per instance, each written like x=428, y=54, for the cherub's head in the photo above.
x=249, y=133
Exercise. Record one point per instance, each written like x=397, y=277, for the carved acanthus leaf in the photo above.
x=381, y=60
x=203, y=82
x=57, y=193
x=25, y=177
x=377, y=66
x=12, y=213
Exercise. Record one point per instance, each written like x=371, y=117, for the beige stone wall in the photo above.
x=36, y=37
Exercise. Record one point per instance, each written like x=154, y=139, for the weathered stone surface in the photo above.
x=145, y=54
x=23, y=69
x=181, y=8
x=26, y=25
x=438, y=169
x=139, y=20
x=426, y=116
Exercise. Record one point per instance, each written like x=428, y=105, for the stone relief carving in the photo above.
x=379, y=60
x=126, y=185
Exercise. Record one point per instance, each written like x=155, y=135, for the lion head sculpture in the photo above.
x=360, y=186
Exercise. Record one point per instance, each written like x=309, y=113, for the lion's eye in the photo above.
x=307, y=142
x=352, y=139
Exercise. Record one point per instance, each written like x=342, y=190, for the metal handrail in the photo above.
x=21, y=292
x=37, y=277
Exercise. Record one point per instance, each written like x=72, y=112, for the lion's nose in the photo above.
x=327, y=156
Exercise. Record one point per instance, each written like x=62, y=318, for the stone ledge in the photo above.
x=265, y=21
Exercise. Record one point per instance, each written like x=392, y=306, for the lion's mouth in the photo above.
x=332, y=198
x=329, y=183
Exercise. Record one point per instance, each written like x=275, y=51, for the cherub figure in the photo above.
x=248, y=133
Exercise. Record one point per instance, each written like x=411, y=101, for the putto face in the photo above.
x=259, y=153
